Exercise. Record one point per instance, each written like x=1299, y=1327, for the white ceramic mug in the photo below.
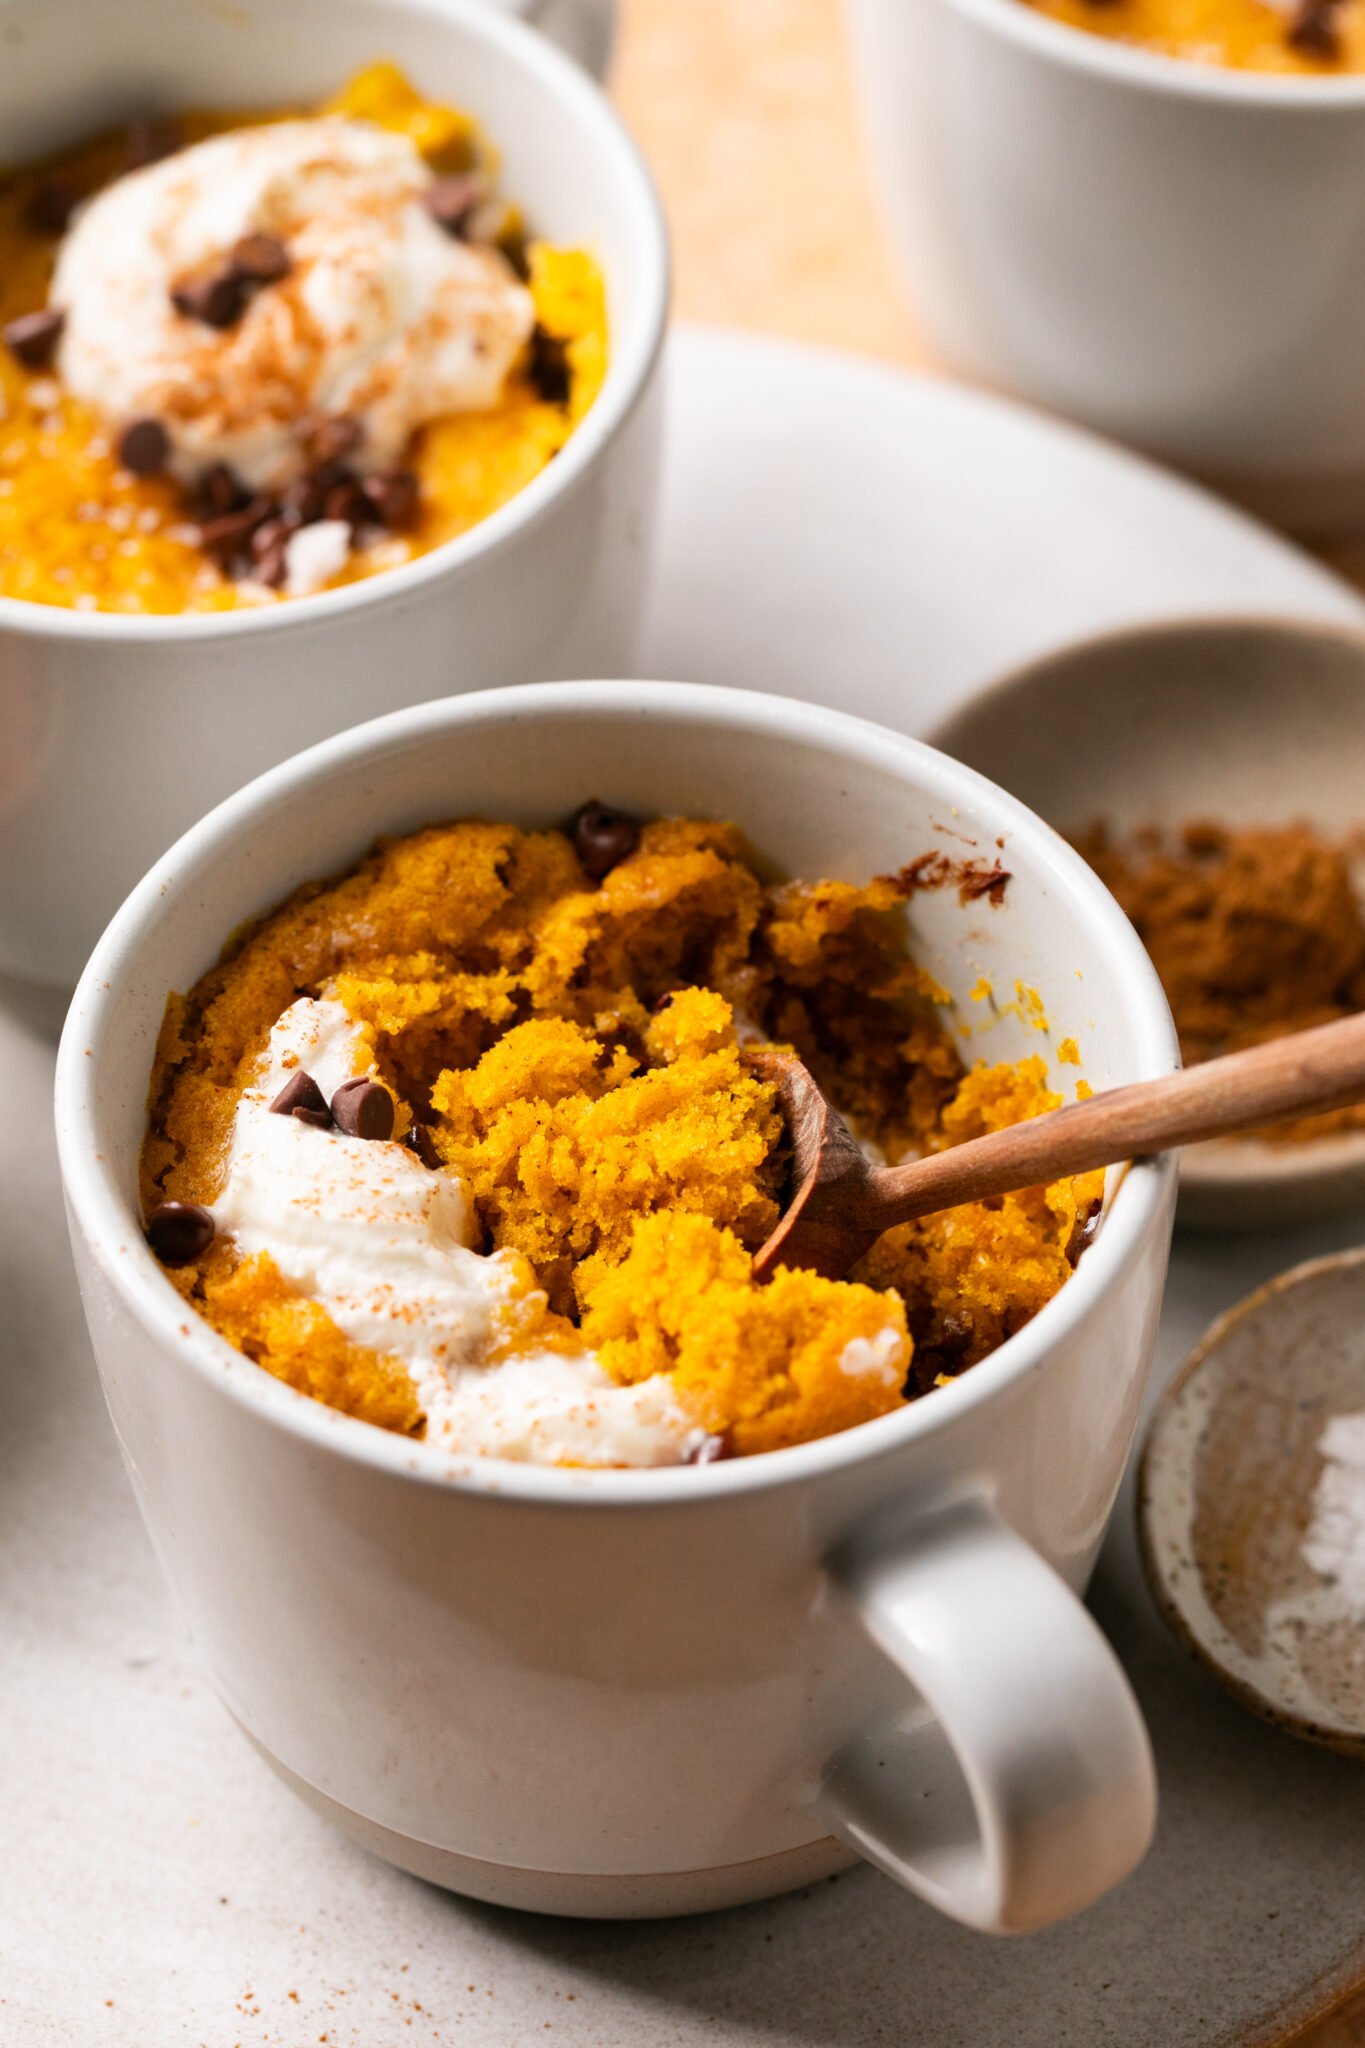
x=608, y=1692
x=1170, y=252
x=120, y=731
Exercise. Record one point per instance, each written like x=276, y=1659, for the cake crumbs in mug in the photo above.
x=524, y=1223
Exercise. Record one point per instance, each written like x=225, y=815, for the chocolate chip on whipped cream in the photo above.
x=302, y=1097
x=216, y=299
x=363, y=1109
x=259, y=259
x=32, y=338
x=219, y=297
x=144, y=446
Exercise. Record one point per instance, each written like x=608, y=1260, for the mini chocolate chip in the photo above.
x=179, y=1232
x=217, y=493
x=260, y=259
x=32, y=338
x=271, y=568
x=269, y=535
x=217, y=299
x=363, y=1109
x=51, y=204
x=548, y=366
x=348, y=501
x=1312, y=30
x=144, y=446
x=333, y=439
x=451, y=202
x=231, y=532
x=301, y=501
x=393, y=496
x=709, y=1451
x=300, y=1091
x=602, y=838
x=147, y=142
x=422, y=1143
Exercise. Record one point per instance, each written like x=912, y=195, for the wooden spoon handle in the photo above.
x=1307, y=1072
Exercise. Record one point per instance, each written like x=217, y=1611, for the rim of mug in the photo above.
x=1120, y=63
x=631, y=360
x=111, y=1228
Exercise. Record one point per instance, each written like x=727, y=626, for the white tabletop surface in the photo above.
x=159, y=1887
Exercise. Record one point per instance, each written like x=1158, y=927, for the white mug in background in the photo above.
x=1170, y=252
x=613, y=1692
x=119, y=730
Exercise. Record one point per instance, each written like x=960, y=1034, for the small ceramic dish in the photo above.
x=1251, y=1497
x=121, y=730
x=1245, y=721
x=1165, y=250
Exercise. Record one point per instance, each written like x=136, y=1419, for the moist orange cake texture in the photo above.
x=573, y=1050
x=79, y=530
x=1312, y=38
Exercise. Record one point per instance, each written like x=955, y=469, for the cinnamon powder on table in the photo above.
x=1255, y=931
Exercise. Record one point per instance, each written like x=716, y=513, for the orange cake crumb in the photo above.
x=566, y=1142
x=971, y=1277
x=763, y=1366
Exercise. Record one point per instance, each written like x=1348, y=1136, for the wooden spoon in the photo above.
x=843, y=1204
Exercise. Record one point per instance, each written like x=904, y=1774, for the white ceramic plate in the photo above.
x=829, y=529
x=885, y=542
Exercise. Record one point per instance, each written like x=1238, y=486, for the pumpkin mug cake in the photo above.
x=466, y=1143
x=249, y=357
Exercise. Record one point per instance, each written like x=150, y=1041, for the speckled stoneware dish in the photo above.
x=1253, y=722
x=1231, y=1501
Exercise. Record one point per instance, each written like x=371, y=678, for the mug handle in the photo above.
x=586, y=29
x=1027, y=1789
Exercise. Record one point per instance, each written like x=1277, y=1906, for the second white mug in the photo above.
x=1166, y=251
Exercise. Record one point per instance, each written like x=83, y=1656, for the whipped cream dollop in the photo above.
x=381, y=315
x=385, y=1245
